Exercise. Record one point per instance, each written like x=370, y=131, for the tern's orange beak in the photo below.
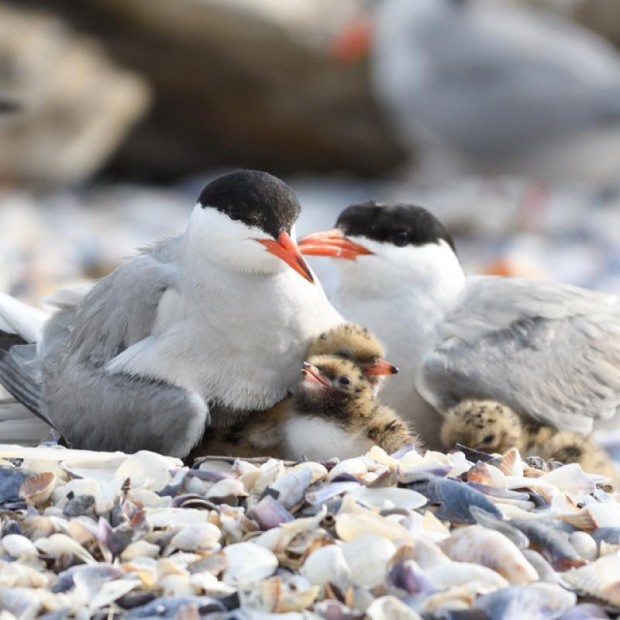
x=331, y=243
x=353, y=42
x=379, y=367
x=312, y=374
x=286, y=249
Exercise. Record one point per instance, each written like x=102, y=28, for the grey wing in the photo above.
x=95, y=409
x=550, y=352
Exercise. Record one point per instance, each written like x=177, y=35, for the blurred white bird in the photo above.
x=499, y=88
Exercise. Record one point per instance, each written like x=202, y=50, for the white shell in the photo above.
x=18, y=546
x=584, y=545
x=388, y=497
x=390, y=608
x=196, y=536
x=367, y=557
x=327, y=564
x=248, y=563
x=601, y=578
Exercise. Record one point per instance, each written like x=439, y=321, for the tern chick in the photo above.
x=491, y=427
x=549, y=351
x=333, y=412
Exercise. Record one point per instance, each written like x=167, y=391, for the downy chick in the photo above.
x=333, y=412
x=492, y=427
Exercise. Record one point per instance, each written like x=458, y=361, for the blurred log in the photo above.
x=239, y=83
x=65, y=106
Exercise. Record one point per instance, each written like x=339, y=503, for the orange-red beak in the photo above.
x=379, y=367
x=312, y=374
x=286, y=249
x=331, y=243
x=353, y=42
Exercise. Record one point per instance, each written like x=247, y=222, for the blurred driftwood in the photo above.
x=238, y=83
x=65, y=105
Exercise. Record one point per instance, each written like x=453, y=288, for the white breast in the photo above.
x=318, y=439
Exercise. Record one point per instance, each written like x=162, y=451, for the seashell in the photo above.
x=18, y=546
x=482, y=473
x=17, y=575
x=408, y=576
x=37, y=489
x=350, y=526
x=198, y=536
x=60, y=544
x=175, y=585
x=209, y=584
x=540, y=600
x=289, y=489
x=140, y=549
x=335, y=610
x=460, y=573
x=165, y=517
x=551, y=542
x=148, y=470
x=110, y=591
x=390, y=608
x=584, y=545
x=269, y=513
x=327, y=565
x=453, y=498
x=583, y=520
x=317, y=496
x=278, y=596
x=368, y=556
x=387, y=497
x=542, y=567
x=570, y=478
x=504, y=527
x=248, y=563
x=600, y=578
x=318, y=471
x=511, y=463
x=356, y=468
x=458, y=598
x=20, y=602
x=80, y=505
x=267, y=474
x=171, y=607
x=585, y=611
x=11, y=480
x=39, y=526
x=226, y=488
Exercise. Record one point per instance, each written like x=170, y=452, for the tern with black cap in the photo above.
x=198, y=329
x=549, y=351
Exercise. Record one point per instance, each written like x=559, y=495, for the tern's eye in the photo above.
x=488, y=438
x=344, y=380
x=400, y=238
x=234, y=214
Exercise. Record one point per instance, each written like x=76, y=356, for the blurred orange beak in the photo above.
x=353, y=42
x=380, y=367
x=285, y=249
x=312, y=374
x=331, y=243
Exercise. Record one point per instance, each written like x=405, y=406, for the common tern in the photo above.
x=499, y=87
x=549, y=351
x=198, y=329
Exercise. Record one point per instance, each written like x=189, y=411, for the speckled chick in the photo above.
x=492, y=427
x=333, y=412
x=358, y=344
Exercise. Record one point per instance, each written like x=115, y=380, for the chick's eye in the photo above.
x=344, y=380
x=488, y=438
x=344, y=354
x=401, y=238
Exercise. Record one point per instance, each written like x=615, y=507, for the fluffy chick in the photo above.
x=333, y=412
x=358, y=344
x=492, y=427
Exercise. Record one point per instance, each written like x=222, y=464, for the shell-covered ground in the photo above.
x=109, y=535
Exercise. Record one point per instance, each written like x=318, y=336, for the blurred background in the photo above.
x=114, y=113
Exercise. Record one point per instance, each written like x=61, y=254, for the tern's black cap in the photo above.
x=255, y=198
x=396, y=223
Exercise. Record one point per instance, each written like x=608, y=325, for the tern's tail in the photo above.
x=20, y=329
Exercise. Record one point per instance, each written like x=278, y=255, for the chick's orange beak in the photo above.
x=285, y=248
x=331, y=243
x=380, y=367
x=312, y=374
